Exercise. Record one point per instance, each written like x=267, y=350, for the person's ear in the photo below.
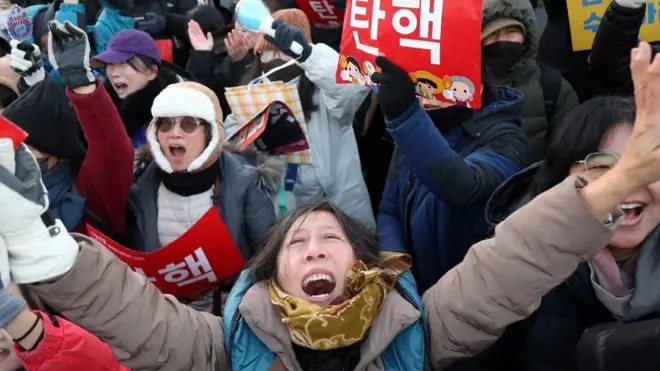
x=153, y=73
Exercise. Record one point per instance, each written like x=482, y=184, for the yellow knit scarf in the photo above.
x=336, y=326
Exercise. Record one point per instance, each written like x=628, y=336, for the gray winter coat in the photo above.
x=245, y=195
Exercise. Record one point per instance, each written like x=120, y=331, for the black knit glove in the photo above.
x=68, y=52
x=153, y=24
x=396, y=92
x=285, y=35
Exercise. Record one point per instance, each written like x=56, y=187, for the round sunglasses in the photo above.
x=187, y=124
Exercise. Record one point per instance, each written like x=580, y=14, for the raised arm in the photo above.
x=106, y=173
x=320, y=64
x=451, y=177
x=503, y=280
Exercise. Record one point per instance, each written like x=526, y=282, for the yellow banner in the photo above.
x=585, y=17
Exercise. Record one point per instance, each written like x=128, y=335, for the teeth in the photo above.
x=317, y=277
x=629, y=206
x=321, y=296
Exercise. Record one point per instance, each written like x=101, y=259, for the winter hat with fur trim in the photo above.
x=293, y=17
x=193, y=100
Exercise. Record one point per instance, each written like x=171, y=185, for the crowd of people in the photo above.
x=518, y=236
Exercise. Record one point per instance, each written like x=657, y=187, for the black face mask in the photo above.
x=285, y=74
x=501, y=55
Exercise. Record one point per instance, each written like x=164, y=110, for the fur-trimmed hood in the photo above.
x=269, y=169
x=522, y=11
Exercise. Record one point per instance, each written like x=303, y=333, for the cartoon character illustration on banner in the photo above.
x=427, y=84
x=354, y=73
x=461, y=91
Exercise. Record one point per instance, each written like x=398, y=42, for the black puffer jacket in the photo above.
x=617, y=34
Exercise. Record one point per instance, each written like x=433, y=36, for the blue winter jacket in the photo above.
x=110, y=22
x=438, y=184
x=246, y=352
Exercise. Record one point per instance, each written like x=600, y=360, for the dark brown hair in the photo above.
x=363, y=240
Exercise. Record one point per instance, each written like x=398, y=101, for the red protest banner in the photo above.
x=321, y=12
x=9, y=130
x=195, y=262
x=438, y=42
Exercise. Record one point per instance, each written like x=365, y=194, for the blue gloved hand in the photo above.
x=285, y=35
x=153, y=24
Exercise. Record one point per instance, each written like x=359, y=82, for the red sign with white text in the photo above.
x=321, y=13
x=438, y=42
x=9, y=130
x=197, y=261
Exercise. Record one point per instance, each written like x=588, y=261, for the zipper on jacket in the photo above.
x=409, y=201
x=427, y=341
x=234, y=327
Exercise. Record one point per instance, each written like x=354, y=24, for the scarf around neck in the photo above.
x=337, y=326
x=66, y=203
x=187, y=184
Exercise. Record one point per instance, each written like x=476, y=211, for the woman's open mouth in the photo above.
x=120, y=88
x=319, y=286
x=177, y=151
x=633, y=213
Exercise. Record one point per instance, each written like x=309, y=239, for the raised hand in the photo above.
x=69, y=50
x=26, y=61
x=236, y=46
x=198, y=40
x=285, y=35
x=641, y=159
x=396, y=92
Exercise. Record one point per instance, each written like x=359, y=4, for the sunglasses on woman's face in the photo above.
x=187, y=124
x=598, y=163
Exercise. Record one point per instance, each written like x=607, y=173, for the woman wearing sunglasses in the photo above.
x=190, y=173
x=619, y=284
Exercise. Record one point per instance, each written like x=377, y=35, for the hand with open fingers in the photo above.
x=396, y=93
x=236, y=47
x=36, y=252
x=198, y=40
x=26, y=61
x=285, y=35
x=641, y=159
x=68, y=52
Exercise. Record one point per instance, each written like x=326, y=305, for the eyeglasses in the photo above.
x=187, y=124
x=598, y=163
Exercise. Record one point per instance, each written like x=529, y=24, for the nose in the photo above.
x=315, y=251
x=176, y=132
